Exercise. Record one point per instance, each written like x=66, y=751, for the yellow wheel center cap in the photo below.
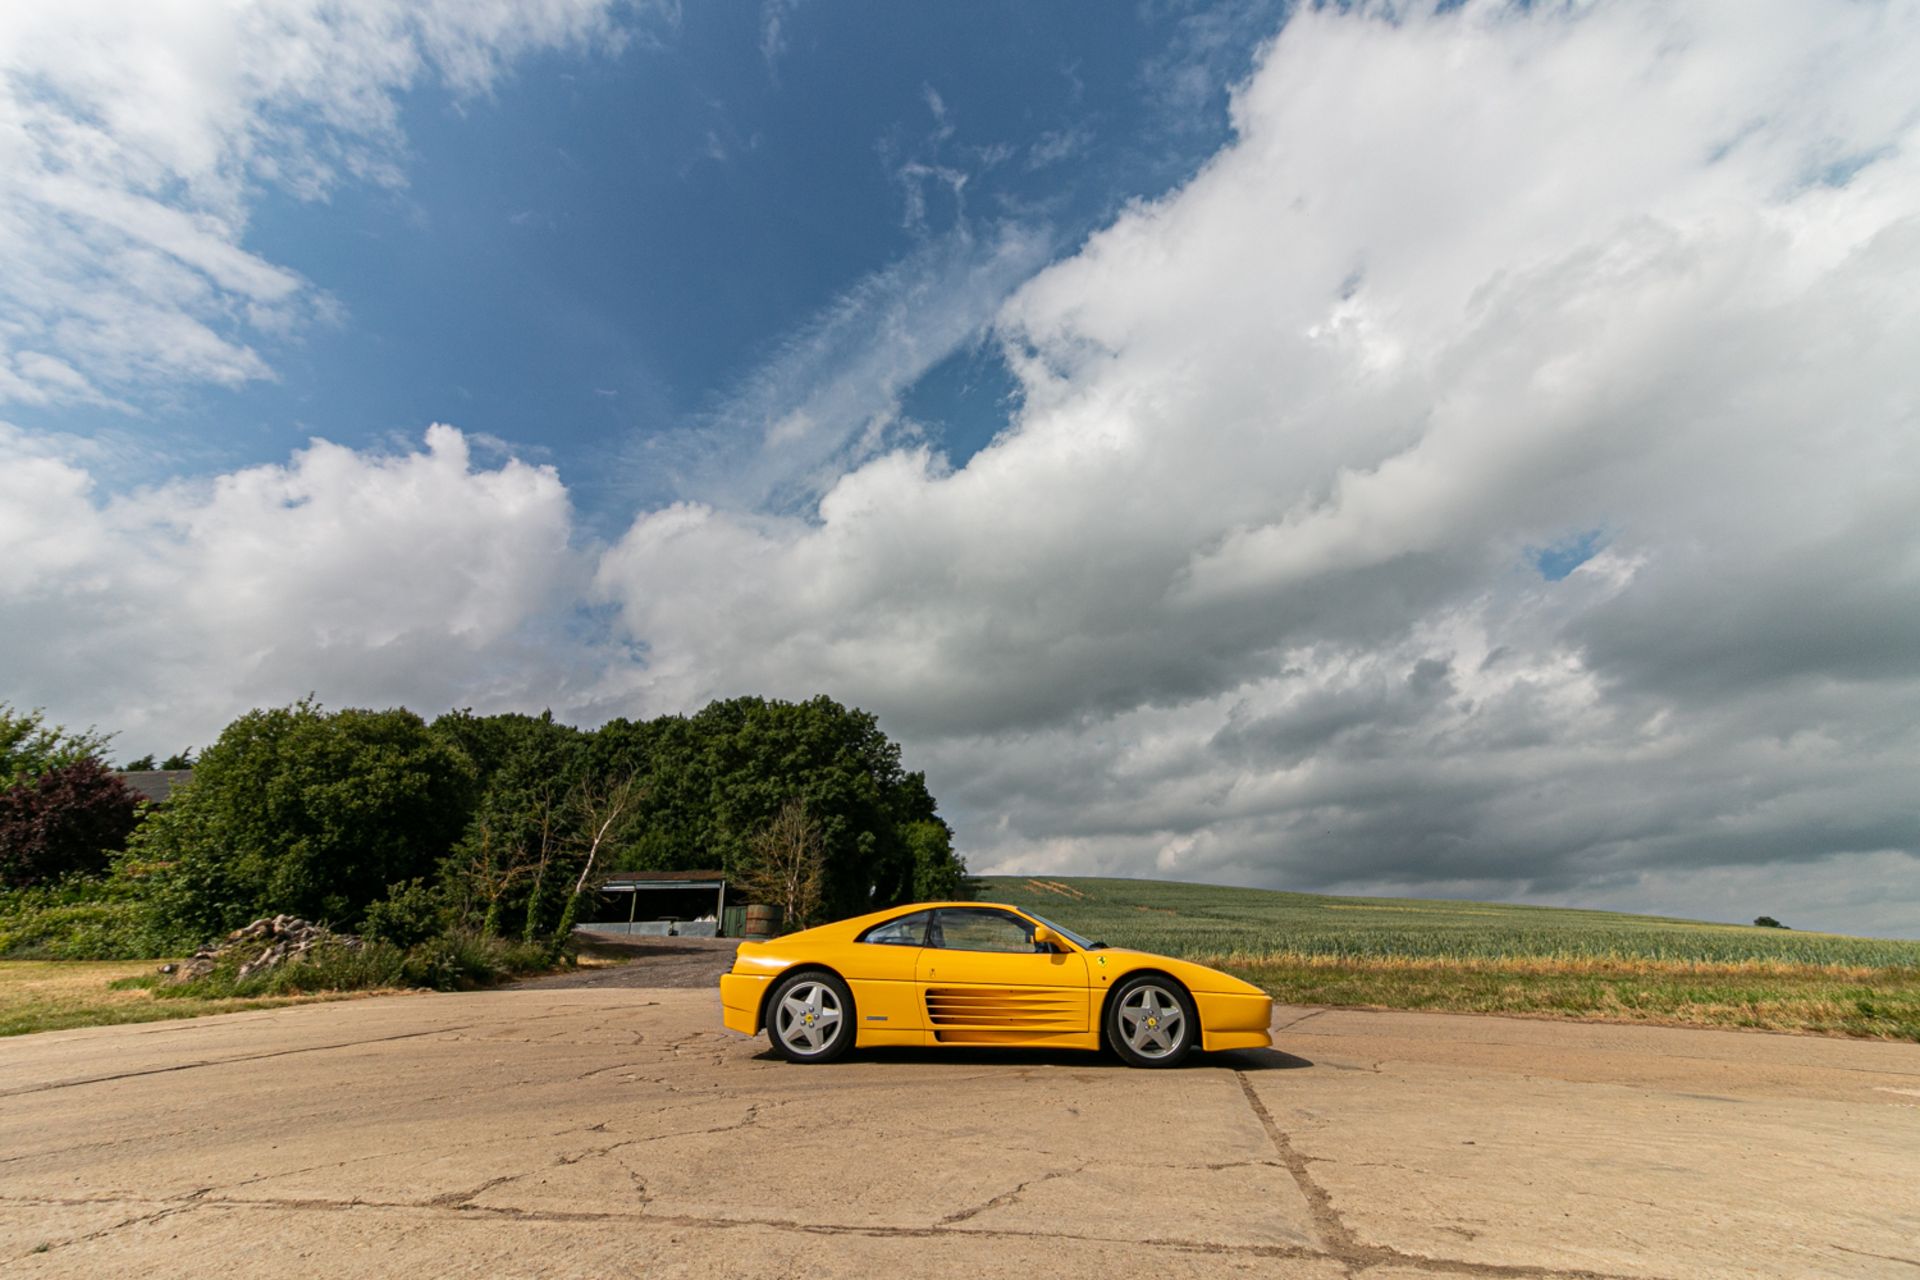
x=1153, y=1022
x=809, y=1019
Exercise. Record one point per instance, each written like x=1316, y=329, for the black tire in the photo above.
x=820, y=1027
x=1137, y=1015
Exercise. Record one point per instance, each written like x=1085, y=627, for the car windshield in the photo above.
x=1069, y=934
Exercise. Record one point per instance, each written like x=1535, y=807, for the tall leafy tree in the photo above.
x=510, y=871
x=300, y=810
x=718, y=778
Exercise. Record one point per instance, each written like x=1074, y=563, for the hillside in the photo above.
x=1491, y=957
x=1198, y=919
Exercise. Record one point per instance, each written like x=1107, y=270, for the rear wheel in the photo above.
x=810, y=1018
x=1151, y=1022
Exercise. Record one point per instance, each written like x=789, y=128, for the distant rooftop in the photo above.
x=662, y=877
x=156, y=785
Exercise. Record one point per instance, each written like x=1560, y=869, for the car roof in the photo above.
x=885, y=914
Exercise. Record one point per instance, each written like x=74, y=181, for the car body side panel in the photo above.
x=998, y=997
x=993, y=997
x=885, y=996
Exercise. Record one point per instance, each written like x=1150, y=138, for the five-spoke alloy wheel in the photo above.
x=810, y=1017
x=1151, y=1021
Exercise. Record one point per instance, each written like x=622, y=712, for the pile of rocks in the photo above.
x=269, y=943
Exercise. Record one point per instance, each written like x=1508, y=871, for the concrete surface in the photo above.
x=596, y=1132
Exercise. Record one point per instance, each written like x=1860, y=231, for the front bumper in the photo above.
x=740, y=995
x=1234, y=1021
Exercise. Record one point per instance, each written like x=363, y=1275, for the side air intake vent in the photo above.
x=1033, y=1008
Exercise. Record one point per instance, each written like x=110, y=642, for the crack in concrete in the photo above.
x=1305, y=1017
x=511, y=1213
x=1332, y=1229
x=96, y=1146
x=1357, y=1258
x=222, y=1062
x=1885, y=1257
x=1006, y=1198
x=751, y=1119
x=1343, y=1246
x=465, y=1199
x=46, y=1247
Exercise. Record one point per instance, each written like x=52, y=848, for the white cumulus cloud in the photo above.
x=369, y=579
x=136, y=135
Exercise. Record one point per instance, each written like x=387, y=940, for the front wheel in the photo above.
x=1151, y=1022
x=810, y=1018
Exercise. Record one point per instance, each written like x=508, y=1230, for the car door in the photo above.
x=882, y=971
x=982, y=981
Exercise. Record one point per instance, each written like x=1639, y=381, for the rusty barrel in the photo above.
x=762, y=920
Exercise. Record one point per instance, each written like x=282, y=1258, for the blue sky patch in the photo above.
x=1563, y=557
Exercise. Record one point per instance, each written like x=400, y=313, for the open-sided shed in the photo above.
x=688, y=904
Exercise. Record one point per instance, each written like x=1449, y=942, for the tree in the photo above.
x=938, y=875
x=69, y=820
x=786, y=866
x=1768, y=922
x=525, y=768
x=29, y=746
x=718, y=778
x=146, y=763
x=598, y=818
x=300, y=810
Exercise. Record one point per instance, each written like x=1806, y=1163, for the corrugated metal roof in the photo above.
x=666, y=879
x=155, y=785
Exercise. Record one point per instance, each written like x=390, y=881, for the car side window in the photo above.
x=972, y=929
x=907, y=931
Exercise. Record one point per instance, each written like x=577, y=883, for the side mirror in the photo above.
x=1046, y=939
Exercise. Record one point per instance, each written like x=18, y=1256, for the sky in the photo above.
x=1467, y=450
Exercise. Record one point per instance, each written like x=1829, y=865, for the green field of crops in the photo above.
x=1207, y=920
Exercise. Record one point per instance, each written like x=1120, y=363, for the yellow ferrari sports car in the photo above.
x=976, y=973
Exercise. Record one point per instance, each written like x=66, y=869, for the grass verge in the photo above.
x=52, y=995
x=55, y=995
x=1833, y=1000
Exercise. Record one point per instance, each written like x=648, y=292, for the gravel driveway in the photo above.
x=649, y=962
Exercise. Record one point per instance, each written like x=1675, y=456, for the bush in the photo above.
x=461, y=961
x=300, y=811
x=82, y=920
x=29, y=746
x=457, y=961
x=410, y=914
x=66, y=821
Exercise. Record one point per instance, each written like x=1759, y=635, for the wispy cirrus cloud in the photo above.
x=829, y=399
x=136, y=137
